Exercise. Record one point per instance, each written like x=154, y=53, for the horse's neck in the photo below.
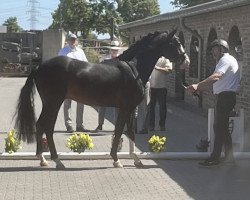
x=145, y=66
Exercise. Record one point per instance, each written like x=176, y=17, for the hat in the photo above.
x=114, y=45
x=71, y=35
x=219, y=42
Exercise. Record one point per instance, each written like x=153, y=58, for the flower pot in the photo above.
x=80, y=150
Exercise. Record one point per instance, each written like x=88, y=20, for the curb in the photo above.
x=121, y=155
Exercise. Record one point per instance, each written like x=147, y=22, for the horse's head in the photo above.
x=139, y=48
x=150, y=48
x=171, y=48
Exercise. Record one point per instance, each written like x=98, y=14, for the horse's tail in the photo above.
x=25, y=115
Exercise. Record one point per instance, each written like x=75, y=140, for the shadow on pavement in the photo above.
x=224, y=182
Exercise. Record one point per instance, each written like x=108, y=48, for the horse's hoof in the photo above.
x=138, y=164
x=118, y=164
x=60, y=166
x=44, y=164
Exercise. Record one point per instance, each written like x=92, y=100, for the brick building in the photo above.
x=197, y=27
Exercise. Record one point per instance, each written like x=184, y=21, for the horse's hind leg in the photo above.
x=53, y=152
x=39, y=150
x=48, y=120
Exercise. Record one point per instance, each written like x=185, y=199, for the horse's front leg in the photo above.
x=131, y=124
x=119, y=126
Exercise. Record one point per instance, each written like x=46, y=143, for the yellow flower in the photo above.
x=156, y=143
x=79, y=142
x=12, y=144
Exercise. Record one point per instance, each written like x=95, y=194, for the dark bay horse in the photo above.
x=116, y=83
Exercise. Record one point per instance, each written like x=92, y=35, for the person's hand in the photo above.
x=191, y=89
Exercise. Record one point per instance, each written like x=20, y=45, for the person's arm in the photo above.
x=205, y=83
x=60, y=53
x=221, y=68
x=63, y=51
x=164, y=65
x=165, y=69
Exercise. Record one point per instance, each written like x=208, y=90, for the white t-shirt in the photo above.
x=159, y=78
x=75, y=53
x=230, y=79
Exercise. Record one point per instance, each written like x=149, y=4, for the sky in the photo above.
x=42, y=18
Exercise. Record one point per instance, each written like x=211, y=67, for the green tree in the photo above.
x=188, y=3
x=73, y=16
x=12, y=25
x=132, y=10
x=107, y=16
x=101, y=16
x=85, y=16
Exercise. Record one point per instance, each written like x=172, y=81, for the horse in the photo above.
x=114, y=83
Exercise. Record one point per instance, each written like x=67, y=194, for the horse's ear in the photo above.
x=172, y=33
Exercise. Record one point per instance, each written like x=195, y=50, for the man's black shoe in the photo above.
x=81, y=129
x=70, y=129
x=209, y=163
x=98, y=128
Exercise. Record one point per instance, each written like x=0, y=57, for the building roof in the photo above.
x=187, y=12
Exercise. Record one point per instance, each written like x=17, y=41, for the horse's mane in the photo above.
x=138, y=46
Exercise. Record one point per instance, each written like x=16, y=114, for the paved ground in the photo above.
x=97, y=179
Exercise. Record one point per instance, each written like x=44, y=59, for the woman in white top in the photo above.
x=158, y=88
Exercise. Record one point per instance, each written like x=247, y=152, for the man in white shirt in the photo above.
x=225, y=81
x=113, y=53
x=71, y=50
x=158, y=88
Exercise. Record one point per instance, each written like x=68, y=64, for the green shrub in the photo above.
x=92, y=55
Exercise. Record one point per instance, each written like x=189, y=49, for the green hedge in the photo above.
x=92, y=55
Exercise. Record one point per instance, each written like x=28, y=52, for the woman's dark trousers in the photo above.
x=158, y=95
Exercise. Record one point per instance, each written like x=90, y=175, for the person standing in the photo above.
x=71, y=50
x=158, y=88
x=113, y=53
x=225, y=80
x=142, y=110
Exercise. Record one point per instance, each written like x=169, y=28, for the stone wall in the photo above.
x=53, y=41
x=222, y=22
x=19, y=52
